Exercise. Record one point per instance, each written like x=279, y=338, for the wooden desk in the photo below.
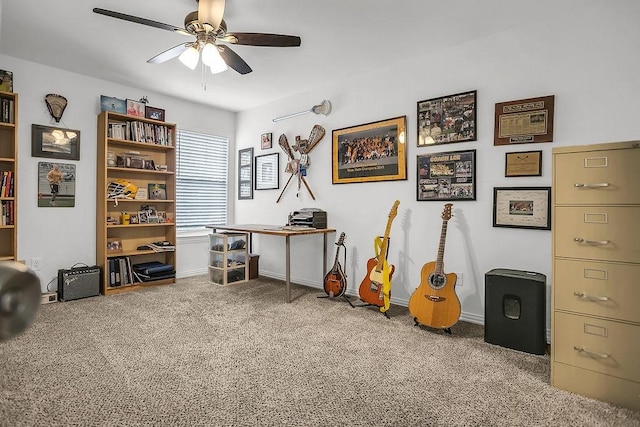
x=275, y=230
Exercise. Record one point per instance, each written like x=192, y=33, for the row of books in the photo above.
x=141, y=132
x=7, y=113
x=8, y=207
x=6, y=184
x=123, y=273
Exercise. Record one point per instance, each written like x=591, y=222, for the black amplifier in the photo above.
x=80, y=282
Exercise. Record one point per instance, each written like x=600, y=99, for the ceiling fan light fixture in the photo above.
x=210, y=12
x=190, y=57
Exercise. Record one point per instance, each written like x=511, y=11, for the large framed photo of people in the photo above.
x=370, y=152
x=447, y=119
x=447, y=176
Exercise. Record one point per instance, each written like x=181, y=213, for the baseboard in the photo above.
x=191, y=273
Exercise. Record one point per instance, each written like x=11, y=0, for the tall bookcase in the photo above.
x=128, y=149
x=8, y=176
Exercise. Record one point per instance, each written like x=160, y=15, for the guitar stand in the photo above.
x=372, y=305
x=346, y=298
x=445, y=330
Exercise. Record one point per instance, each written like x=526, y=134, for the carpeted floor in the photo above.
x=195, y=354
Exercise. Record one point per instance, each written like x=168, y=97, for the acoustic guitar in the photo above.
x=435, y=303
x=375, y=288
x=335, y=281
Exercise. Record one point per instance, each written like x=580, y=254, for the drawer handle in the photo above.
x=591, y=297
x=591, y=242
x=591, y=353
x=595, y=185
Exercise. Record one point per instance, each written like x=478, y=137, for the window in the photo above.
x=201, y=180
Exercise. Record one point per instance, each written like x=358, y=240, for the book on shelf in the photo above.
x=162, y=246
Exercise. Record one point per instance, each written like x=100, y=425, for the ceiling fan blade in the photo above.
x=262, y=39
x=210, y=12
x=234, y=61
x=169, y=54
x=139, y=20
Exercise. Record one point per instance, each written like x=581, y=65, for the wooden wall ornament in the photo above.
x=297, y=166
x=524, y=121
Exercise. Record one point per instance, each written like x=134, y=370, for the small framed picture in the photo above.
x=135, y=108
x=162, y=217
x=154, y=113
x=523, y=163
x=133, y=218
x=265, y=141
x=157, y=191
x=522, y=207
x=142, y=217
x=116, y=105
x=114, y=246
x=55, y=142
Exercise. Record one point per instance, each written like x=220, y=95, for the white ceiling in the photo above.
x=339, y=38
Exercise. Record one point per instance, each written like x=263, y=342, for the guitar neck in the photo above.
x=443, y=235
x=383, y=248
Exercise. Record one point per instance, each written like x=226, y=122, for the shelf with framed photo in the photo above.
x=118, y=191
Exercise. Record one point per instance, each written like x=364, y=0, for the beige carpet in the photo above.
x=195, y=354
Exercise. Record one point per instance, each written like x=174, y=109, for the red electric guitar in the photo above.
x=435, y=303
x=335, y=282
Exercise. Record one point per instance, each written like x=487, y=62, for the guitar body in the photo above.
x=371, y=287
x=435, y=303
x=335, y=282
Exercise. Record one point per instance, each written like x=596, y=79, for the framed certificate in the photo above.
x=524, y=121
x=523, y=163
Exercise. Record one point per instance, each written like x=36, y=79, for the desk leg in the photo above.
x=324, y=255
x=288, y=267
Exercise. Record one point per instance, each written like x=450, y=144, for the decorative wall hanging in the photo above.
x=56, y=105
x=447, y=176
x=267, y=171
x=447, y=119
x=370, y=152
x=298, y=166
x=55, y=143
x=265, y=141
x=524, y=121
x=245, y=174
x=523, y=163
x=522, y=207
x=56, y=185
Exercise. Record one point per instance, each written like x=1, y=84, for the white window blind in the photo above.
x=201, y=180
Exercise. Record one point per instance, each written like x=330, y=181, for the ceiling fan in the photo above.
x=209, y=29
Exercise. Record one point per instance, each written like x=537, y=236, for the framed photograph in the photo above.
x=267, y=172
x=135, y=108
x=154, y=113
x=133, y=218
x=162, y=217
x=522, y=207
x=447, y=176
x=115, y=105
x=114, y=246
x=56, y=185
x=157, y=191
x=524, y=163
x=370, y=152
x=265, y=141
x=142, y=217
x=524, y=121
x=245, y=174
x=447, y=119
x=55, y=142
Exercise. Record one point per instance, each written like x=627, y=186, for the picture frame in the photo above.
x=524, y=121
x=523, y=163
x=162, y=217
x=447, y=119
x=446, y=176
x=55, y=142
x=267, y=171
x=157, y=191
x=115, y=105
x=133, y=218
x=245, y=174
x=135, y=108
x=370, y=152
x=522, y=207
x=142, y=217
x=56, y=185
x=266, y=141
x=154, y=113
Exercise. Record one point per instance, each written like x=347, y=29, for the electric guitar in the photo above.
x=435, y=303
x=335, y=282
x=375, y=288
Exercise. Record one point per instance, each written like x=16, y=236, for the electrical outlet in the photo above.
x=459, y=279
x=36, y=264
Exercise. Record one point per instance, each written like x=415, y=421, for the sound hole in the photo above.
x=437, y=281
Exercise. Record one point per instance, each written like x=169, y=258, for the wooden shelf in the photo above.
x=9, y=162
x=139, y=171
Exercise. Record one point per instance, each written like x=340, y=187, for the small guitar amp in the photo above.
x=81, y=282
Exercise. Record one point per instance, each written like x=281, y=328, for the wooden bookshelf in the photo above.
x=8, y=176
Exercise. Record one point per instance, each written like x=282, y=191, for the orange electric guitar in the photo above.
x=335, y=281
x=435, y=302
x=375, y=289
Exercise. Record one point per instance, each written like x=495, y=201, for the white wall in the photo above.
x=63, y=237
x=587, y=57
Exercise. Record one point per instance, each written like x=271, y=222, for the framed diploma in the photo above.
x=524, y=121
x=522, y=207
x=524, y=163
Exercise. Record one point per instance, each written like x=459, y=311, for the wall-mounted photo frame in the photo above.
x=522, y=207
x=523, y=163
x=447, y=119
x=524, y=121
x=245, y=174
x=56, y=185
x=135, y=108
x=447, y=176
x=267, y=173
x=370, y=152
x=154, y=113
x=54, y=142
x=265, y=141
